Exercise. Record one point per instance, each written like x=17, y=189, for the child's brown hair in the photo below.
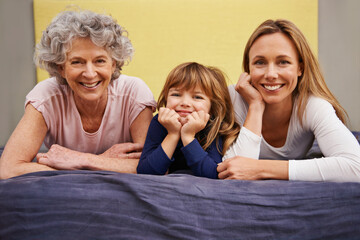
x=212, y=81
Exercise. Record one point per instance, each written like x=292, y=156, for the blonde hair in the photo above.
x=212, y=81
x=312, y=81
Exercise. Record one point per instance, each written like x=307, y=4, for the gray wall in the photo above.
x=339, y=55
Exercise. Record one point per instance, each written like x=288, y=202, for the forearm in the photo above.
x=154, y=162
x=253, y=121
x=202, y=163
x=102, y=163
x=20, y=168
x=247, y=144
x=273, y=169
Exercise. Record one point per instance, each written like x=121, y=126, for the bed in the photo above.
x=108, y=205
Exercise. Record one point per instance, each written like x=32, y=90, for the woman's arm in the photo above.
x=341, y=150
x=140, y=126
x=248, y=141
x=244, y=168
x=123, y=157
x=23, y=145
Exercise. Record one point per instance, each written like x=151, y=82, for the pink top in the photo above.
x=127, y=97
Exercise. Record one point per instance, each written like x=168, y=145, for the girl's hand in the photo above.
x=248, y=91
x=196, y=121
x=170, y=120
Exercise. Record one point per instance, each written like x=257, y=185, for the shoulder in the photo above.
x=317, y=105
x=318, y=111
x=46, y=90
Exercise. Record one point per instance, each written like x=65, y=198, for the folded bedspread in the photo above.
x=108, y=205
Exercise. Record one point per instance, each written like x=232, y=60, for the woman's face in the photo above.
x=274, y=67
x=87, y=70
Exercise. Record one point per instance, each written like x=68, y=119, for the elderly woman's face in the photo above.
x=87, y=70
x=274, y=67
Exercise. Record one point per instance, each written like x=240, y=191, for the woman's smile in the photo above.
x=91, y=85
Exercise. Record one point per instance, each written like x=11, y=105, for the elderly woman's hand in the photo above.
x=124, y=150
x=61, y=158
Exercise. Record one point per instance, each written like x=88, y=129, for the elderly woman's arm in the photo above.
x=123, y=157
x=23, y=145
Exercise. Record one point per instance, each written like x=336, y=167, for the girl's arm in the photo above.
x=202, y=163
x=159, y=147
x=23, y=145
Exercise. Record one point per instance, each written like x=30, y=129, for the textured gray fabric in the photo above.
x=108, y=205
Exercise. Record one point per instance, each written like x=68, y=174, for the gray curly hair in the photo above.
x=68, y=25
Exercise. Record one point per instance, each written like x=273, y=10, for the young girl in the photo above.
x=195, y=124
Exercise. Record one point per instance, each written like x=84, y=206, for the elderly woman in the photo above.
x=283, y=99
x=88, y=114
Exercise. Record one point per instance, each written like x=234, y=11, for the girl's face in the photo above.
x=184, y=102
x=87, y=70
x=274, y=67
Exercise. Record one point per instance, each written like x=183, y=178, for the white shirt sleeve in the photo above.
x=247, y=144
x=341, y=150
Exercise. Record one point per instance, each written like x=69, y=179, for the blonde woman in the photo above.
x=195, y=124
x=282, y=97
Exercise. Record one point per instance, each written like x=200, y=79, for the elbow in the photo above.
x=5, y=171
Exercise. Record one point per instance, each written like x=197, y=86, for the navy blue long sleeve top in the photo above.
x=154, y=160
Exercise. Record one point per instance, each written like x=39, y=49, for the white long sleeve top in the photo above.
x=341, y=150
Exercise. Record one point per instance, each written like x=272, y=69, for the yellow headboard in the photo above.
x=166, y=33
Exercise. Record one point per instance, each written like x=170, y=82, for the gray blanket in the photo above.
x=108, y=205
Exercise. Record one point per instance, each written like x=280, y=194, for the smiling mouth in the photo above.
x=183, y=113
x=273, y=87
x=92, y=85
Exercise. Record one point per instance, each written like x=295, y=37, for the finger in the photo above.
x=44, y=161
x=133, y=147
x=134, y=155
x=223, y=175
x=221, y=167
x=243, y=80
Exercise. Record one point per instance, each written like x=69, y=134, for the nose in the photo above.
x=185, y=100
x=271, y=72
x=89, y=71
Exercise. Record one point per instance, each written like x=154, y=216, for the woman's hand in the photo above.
x=196, y=121
x=170, y=120
x=248, y=91
x=244, y=168
x=124, y=150
x=61, y=158
x=241, y=168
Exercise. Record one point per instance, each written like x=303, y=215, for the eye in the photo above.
x=75, y=62
x=198, y=97
x=100, y=60
x=259, y=62
x=174, y=94
x=284, y=62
